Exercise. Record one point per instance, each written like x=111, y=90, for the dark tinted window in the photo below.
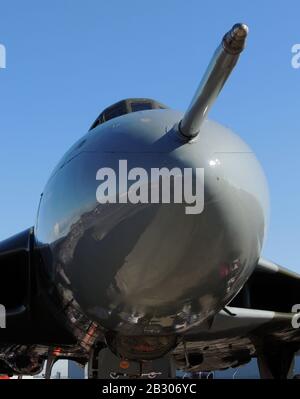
x=125, y=107
x=114, y=111
x=140, y=106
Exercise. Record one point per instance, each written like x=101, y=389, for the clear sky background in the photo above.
x=67, y=60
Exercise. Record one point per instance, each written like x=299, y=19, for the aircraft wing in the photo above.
x=260, y=322
x=28, y=314
x=27, y=325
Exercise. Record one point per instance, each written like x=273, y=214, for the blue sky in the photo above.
x=67, y=60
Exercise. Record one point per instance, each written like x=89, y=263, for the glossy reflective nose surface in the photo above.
x=152, y=268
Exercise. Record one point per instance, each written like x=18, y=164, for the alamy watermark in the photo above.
x=295, y=61
x=2, y=316
x=2, y=56
x=161, y=185
x=296, y=316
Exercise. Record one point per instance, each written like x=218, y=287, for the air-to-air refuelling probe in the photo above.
x=137, y=284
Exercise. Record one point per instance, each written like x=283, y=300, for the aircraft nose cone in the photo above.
x=150, y=267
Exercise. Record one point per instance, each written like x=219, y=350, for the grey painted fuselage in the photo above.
x=146, y=269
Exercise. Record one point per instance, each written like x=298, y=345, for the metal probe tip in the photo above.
x=234, y=40
x=218, y=71
x=240, y=31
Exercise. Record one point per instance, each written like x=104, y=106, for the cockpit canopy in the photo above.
x=125, y=107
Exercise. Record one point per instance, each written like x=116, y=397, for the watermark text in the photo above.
x=159, y=185
x=296, y=56
x=2, y=56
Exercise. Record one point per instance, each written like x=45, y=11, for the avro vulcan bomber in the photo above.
x=145, y=256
